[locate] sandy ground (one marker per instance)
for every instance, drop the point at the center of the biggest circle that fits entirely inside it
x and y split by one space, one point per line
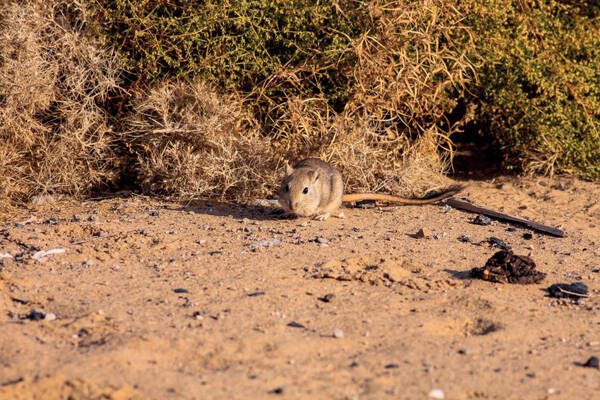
207 300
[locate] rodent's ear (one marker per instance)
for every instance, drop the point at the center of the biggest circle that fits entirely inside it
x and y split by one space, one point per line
313 176
288 169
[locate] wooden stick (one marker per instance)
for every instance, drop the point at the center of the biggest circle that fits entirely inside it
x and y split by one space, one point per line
465 205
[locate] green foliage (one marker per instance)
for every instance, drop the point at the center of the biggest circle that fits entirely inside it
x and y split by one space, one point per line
539 86
265 49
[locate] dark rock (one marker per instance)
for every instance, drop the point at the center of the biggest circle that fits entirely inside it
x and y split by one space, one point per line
391 366
328 298
592 362
279 390
256 294
499 243
36 315
527 236
574 290
464 238
153 213
482 220
181 290
294 324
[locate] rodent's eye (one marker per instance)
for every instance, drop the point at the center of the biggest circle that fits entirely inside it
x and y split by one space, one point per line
305 190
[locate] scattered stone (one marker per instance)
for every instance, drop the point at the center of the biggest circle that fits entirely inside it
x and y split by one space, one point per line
279 390
482 220
328 298
574 290
264 243
543 183
92 217
256 294
463 351
41 255
511 229
38 315
354 364
436 394
391 366
5 255
181 290
101 234
51 221
464 239
76 218
592 362
50 317
18 225
294 324
321 240
338 333
215 252
423 233
506 267
153 213
495 242
527 236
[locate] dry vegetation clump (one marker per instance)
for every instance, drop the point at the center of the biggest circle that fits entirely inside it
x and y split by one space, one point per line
393 133
190 141
54 134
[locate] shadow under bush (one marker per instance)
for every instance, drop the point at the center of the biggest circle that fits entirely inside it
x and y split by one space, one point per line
539 85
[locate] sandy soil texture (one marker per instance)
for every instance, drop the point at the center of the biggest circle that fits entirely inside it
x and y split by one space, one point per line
151 299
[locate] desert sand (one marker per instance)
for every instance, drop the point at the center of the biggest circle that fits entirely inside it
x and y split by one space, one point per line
157 299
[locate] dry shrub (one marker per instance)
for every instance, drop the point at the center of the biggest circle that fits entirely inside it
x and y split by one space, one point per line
190 141
394 133
54 133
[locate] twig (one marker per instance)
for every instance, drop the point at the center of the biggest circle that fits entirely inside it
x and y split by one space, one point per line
466 206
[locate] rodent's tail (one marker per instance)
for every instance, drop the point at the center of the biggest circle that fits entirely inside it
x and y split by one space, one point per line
445 193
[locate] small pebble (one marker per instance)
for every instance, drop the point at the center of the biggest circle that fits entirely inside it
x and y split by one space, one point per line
463 351
338 333
321 240
527 236
181 290
436 394
92 217
464 239
328 298
279 390
256 294
592 362
482 220
391 366
423 233
153 213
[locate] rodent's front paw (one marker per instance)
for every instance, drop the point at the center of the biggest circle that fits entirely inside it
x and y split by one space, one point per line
322 217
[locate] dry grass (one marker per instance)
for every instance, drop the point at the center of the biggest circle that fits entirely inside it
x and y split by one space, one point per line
53 81
393 134
189 141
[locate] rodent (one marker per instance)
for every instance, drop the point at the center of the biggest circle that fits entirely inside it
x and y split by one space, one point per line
313 188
